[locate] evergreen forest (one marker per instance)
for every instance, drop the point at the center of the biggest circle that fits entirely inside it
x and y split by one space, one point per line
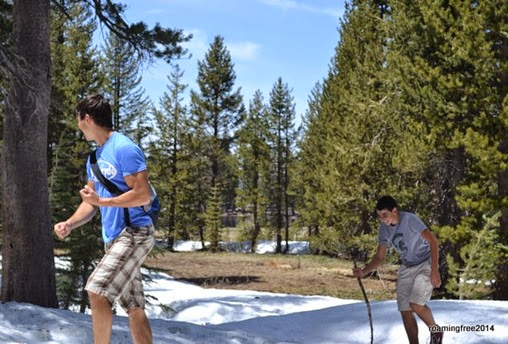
414 105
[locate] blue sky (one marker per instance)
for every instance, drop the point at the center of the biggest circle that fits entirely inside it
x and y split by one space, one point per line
267 39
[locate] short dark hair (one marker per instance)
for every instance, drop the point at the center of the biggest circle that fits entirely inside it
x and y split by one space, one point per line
97 107
386 202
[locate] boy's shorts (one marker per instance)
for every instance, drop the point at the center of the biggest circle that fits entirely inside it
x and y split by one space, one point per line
413 285
118 275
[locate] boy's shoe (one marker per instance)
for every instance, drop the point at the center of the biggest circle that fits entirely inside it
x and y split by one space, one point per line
436 338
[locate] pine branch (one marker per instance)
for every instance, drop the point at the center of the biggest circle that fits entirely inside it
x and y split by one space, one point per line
156 42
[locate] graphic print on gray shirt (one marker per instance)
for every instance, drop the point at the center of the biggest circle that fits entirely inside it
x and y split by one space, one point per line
406 238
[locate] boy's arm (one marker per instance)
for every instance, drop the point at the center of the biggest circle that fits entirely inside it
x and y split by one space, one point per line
374 264
435 278
84 213
138 195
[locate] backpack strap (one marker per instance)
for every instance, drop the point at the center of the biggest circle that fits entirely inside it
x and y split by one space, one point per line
108 184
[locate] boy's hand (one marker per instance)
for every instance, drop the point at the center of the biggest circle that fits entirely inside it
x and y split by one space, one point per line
63 229
89 195
358 273
435 278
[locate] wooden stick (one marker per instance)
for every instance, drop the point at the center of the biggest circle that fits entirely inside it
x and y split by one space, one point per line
368 306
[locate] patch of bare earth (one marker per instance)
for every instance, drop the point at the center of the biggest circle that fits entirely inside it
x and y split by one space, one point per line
305 275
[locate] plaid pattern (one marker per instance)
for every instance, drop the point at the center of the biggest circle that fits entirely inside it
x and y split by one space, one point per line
118 275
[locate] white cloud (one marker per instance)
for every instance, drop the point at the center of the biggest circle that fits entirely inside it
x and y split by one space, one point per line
294 5
243 50
198 45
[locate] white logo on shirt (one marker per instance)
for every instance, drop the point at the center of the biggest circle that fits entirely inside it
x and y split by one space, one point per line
109 171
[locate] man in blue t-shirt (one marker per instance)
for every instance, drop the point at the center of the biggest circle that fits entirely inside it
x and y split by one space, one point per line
419 273
117 277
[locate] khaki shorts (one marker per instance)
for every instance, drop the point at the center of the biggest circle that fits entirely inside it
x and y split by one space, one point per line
118 275
413 285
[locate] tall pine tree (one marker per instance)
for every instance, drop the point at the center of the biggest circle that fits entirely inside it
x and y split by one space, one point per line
350 135
218 108
282 138
254 161
170 157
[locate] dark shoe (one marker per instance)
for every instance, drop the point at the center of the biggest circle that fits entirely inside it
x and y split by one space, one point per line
436 338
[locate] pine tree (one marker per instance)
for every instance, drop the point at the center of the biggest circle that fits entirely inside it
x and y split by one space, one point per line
477 271
28 269
170 155
494 13
309 160
350 135
444 68
219 110
254 159
282 139
213 218
129 104
197 193
5 41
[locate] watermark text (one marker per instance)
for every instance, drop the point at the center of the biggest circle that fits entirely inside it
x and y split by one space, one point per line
462 328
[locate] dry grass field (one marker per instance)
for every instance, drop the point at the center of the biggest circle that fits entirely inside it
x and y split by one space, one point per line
305 275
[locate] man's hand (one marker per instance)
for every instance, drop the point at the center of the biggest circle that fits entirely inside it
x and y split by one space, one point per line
63 229
358 273
89 195
435 278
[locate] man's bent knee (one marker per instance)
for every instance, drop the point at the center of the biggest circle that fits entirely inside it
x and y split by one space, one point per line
416 307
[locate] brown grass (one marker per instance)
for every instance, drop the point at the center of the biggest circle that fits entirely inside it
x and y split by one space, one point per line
305 275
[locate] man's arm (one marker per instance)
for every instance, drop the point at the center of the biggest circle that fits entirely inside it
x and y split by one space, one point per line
374 264
138 195
84 213
435 278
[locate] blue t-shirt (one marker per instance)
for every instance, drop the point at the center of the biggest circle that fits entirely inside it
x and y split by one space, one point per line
117 158
406 238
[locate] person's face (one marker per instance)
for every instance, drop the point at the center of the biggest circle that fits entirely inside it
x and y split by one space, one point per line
85 126
389 218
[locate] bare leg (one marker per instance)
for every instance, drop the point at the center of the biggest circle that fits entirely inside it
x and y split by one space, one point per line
140 327
423 313
410 325
102 318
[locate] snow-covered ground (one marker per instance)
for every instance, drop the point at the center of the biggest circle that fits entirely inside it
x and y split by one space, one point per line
262 246
183 313
215 316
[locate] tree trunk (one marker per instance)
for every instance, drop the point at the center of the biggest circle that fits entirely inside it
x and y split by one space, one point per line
286 209
447 175
501 292
279 190
28 268
257 226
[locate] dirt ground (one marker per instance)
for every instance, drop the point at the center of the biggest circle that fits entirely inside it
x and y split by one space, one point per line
305 275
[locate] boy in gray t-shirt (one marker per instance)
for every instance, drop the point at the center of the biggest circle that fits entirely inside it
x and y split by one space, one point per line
419 272
406 238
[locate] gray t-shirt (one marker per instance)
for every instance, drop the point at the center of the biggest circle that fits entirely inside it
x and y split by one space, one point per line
406 238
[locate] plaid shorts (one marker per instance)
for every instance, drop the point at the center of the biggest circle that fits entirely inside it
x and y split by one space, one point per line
118 274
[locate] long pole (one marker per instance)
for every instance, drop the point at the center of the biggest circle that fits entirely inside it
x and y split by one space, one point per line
368 305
